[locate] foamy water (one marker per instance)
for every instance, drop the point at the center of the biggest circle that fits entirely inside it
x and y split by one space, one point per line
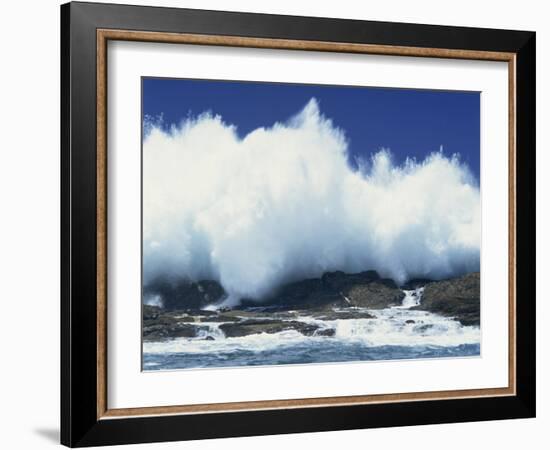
396 332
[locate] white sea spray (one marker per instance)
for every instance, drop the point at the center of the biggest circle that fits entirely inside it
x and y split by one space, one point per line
284 204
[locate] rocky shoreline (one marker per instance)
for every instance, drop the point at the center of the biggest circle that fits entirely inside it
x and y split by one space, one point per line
335 295
457 298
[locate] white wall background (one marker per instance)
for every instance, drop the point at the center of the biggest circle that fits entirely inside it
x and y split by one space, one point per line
29 224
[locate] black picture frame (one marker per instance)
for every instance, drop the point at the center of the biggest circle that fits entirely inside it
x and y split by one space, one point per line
80 425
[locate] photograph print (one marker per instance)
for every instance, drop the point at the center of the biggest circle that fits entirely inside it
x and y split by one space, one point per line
307 224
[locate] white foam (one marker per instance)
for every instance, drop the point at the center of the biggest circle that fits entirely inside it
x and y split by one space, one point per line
412 297
390 327
153 300
283 204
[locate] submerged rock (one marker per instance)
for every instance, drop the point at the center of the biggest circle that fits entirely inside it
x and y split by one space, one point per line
457 298
423 328
328 332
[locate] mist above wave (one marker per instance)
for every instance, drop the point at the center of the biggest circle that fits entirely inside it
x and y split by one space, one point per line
283 204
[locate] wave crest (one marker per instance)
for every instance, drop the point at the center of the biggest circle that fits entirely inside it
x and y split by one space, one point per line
283 204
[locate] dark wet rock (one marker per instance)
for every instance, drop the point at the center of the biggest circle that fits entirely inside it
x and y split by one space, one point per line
197 312
333 289
336 290
306 294
328 332
340 281
183 294
256 326
364 289
164 331
187 318
416 283
334 296
183 330
348 313
218 318
161 325
375 295
243 313
469 319
209 338
163 319
150 312
457 298
423 328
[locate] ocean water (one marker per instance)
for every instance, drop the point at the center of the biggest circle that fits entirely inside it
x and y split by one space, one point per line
396 333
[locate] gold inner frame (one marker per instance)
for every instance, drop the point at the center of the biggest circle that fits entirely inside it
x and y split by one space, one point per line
104 35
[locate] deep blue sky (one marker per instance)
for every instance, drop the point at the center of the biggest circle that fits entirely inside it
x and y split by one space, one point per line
410 122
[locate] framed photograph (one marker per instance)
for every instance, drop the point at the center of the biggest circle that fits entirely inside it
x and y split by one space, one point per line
276 224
